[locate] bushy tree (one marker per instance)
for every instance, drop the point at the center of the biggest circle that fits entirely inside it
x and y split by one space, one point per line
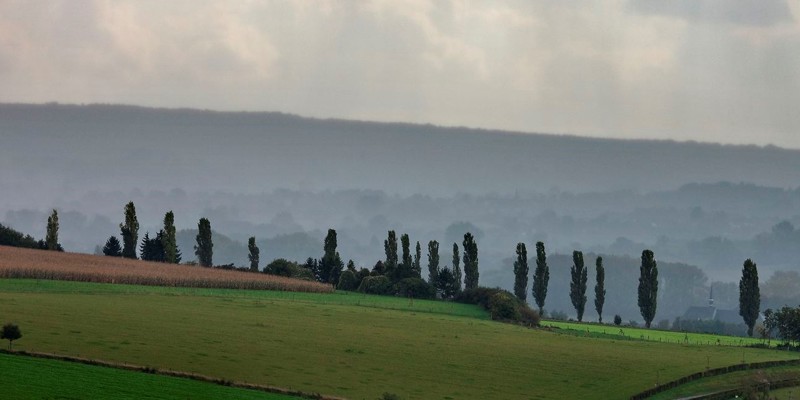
169 241
456 268
312 265
648 287
347 281
51 240
376 285
599 289
11 333
470 262
112 247
433 261
253 253
330 266
204 249
130 231
749 295
521 273
577 286
541 277
446 283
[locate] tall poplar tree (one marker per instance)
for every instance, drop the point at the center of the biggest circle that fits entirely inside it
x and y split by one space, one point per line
749 295
130 231
433 261
169 240
253 253
470 262
405 268
417 263
541 277
577 286
599 289
648 287
204 249
456 267
331 264
521 273
51 240
390 248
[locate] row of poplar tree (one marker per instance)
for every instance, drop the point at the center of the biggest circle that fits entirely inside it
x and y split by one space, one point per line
444 281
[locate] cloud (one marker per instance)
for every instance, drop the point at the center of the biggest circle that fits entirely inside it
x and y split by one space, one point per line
704 70
739 12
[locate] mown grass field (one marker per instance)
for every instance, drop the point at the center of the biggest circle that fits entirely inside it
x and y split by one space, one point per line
347 345
35 378
655 335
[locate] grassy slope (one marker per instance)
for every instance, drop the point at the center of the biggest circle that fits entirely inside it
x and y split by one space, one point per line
36 378
729 381
652 334
314 343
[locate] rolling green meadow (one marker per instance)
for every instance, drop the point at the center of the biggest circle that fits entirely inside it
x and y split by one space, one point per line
347 345
36 378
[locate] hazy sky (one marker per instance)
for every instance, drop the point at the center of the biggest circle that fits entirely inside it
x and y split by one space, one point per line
709 70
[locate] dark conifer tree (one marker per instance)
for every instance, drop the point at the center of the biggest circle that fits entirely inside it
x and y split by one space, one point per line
112 247
541 277
749 295
599 289
648 287
577 286
521 273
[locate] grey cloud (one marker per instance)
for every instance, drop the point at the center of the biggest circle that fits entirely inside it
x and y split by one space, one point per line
740 12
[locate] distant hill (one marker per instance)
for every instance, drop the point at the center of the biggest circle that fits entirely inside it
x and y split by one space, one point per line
112 147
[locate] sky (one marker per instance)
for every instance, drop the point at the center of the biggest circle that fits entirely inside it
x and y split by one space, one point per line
723 71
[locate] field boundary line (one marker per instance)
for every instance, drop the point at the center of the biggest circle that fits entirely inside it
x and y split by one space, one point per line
710 373
171 373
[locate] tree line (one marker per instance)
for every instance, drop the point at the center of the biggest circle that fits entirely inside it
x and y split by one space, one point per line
399 274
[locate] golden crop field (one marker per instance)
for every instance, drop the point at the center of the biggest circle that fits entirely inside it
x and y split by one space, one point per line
40 264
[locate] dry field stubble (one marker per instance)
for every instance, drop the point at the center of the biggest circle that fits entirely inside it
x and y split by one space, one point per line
40 264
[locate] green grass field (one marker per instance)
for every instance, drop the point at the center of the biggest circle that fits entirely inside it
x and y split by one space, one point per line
347 345
35 378
627 332
730 381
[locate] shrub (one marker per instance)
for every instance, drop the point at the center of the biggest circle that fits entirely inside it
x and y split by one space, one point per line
414 287
280 267
504 306
347 281
617 320
376 285
529 316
